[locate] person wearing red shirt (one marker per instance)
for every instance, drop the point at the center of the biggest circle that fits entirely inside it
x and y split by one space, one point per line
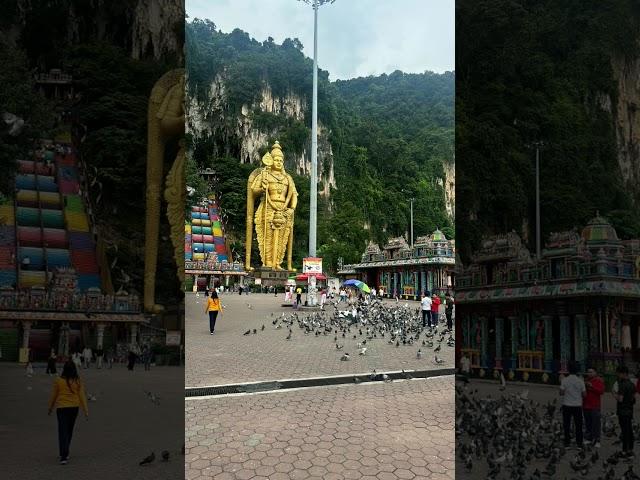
435 309
591 406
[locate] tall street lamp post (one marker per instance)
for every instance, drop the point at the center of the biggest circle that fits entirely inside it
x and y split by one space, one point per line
313 204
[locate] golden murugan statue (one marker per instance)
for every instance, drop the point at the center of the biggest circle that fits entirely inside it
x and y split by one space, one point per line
165 123
274 216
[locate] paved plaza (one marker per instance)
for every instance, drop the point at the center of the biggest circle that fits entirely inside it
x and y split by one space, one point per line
541 395
397 430
124 426
371 431
228 356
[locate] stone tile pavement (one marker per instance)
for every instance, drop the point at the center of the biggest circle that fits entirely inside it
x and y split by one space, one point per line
371 431
123 427
229 357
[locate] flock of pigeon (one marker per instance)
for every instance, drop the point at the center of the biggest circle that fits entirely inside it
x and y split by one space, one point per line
374 321
511 437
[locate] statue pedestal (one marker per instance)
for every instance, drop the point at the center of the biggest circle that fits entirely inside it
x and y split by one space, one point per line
269 277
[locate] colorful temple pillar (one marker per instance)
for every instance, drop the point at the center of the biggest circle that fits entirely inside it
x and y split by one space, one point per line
565 342
514 340
499 340
548 342
581 341
484 348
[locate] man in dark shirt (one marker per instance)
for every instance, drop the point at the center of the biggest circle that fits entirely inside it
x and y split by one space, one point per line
626 399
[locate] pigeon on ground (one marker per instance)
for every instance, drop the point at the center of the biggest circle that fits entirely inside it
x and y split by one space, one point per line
165 455
147 460
345 357
247 332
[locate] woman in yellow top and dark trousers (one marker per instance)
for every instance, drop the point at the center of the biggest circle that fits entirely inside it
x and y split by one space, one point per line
67 396
213 307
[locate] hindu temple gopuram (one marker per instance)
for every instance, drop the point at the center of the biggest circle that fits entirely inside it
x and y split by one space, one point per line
408 272
580 302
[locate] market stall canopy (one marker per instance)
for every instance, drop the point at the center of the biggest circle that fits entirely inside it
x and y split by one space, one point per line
305 276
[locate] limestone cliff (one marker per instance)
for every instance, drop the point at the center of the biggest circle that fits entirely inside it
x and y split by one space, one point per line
450 188
208 115
145 28
627 122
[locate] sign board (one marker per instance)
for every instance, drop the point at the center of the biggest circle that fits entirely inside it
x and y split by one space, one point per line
258 281
312 265
173 337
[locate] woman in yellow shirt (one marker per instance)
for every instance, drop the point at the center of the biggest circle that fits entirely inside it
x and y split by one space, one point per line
213 307
67 396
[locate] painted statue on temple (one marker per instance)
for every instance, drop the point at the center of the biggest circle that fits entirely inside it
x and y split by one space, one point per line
273 219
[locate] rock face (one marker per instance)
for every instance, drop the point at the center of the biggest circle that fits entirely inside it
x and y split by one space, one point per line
627 122
238 136
145 28
450 188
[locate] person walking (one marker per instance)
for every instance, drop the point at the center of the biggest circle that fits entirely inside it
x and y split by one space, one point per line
323 298
591 407
51 363
110 355
213 308
67 396
573 390
132 358
87 354
76 358
435 309
426 310
99 356
626 400
146 357
298 296
448 311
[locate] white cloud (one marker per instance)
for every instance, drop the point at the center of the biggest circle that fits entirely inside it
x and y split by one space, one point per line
356 37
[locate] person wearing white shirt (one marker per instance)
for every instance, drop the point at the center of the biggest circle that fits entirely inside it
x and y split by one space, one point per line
573 390
426 309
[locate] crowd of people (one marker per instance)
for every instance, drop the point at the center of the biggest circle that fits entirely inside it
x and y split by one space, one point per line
582 407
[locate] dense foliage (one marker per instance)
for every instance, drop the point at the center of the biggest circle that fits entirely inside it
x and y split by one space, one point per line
19 97
114 96
537 71
390 136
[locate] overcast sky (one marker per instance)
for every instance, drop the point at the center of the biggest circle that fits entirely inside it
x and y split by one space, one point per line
355 37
